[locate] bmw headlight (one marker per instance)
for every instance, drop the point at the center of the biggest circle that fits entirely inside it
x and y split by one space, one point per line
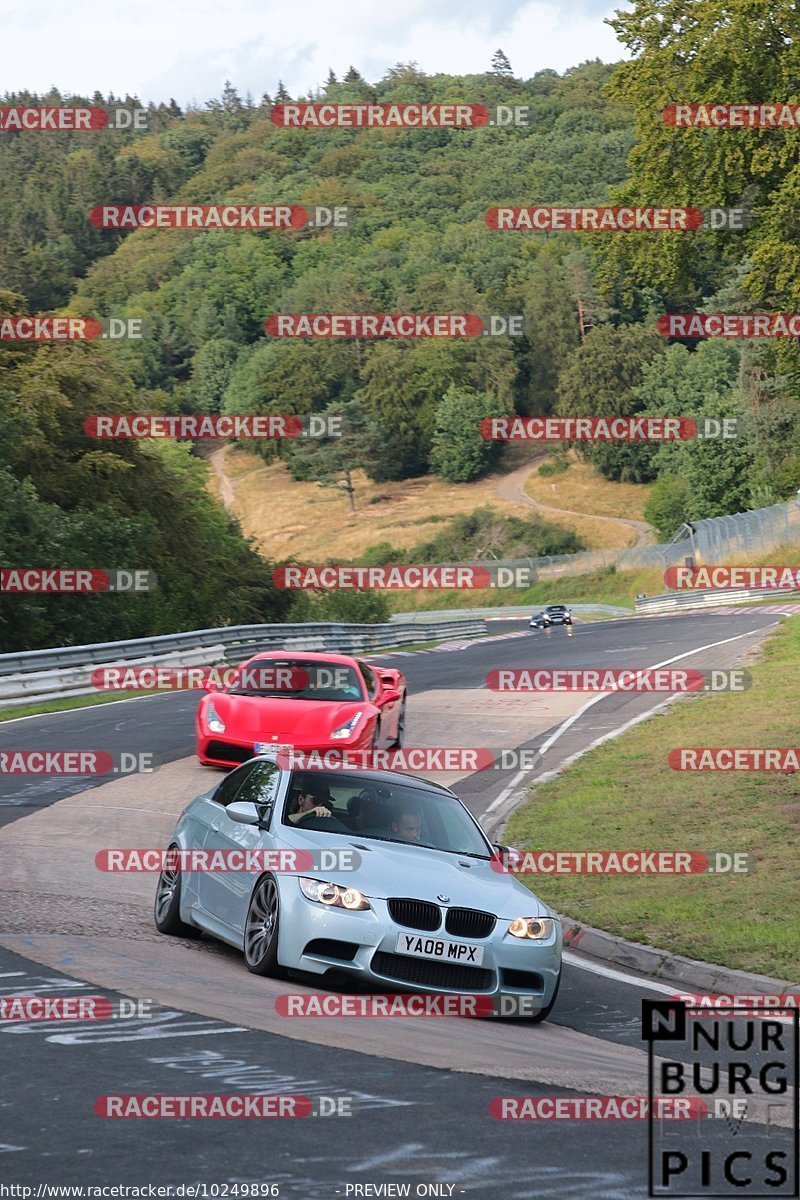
537 929
348 729
214 720
333 895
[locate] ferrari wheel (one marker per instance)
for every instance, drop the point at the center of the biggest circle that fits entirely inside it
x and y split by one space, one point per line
401 726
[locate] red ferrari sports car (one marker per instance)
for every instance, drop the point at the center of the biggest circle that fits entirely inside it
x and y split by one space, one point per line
304 701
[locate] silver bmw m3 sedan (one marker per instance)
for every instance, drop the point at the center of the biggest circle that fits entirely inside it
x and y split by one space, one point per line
381 875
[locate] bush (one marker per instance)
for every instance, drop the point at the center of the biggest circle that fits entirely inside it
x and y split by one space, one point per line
351 608
481 534
667 505
458 452
557 465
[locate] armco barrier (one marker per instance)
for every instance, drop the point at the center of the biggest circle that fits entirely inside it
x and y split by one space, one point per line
37 675
511 612
717 598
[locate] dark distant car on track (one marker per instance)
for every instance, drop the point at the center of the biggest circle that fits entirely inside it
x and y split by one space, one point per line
553 614
306 702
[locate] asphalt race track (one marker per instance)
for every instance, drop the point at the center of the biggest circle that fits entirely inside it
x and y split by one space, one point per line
420 1089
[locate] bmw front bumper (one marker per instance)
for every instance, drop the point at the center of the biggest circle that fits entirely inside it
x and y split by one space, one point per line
316 939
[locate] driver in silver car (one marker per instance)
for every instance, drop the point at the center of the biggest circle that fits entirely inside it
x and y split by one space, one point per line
312 799
407 825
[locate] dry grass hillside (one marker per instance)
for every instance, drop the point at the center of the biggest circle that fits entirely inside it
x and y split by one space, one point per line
310 522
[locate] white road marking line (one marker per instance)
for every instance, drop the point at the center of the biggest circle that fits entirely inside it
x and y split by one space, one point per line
81 708
640 981
618 976
570 721
625 649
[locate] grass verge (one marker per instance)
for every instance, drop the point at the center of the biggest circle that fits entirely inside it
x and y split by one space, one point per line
623 795
603 586
69 702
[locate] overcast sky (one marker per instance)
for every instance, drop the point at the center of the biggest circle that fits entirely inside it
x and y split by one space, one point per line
186 49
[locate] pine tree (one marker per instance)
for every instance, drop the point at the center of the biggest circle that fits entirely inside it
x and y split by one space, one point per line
501 66
231 100
281 95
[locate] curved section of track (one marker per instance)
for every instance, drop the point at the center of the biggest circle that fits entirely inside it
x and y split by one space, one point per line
59 910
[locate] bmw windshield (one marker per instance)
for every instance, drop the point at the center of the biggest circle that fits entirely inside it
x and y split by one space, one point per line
386 812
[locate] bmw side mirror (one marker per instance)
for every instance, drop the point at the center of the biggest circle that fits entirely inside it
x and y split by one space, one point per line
243 812
510 855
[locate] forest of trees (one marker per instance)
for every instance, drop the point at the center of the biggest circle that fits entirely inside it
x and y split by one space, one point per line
417 241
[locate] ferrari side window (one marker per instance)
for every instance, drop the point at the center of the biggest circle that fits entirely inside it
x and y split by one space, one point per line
370 680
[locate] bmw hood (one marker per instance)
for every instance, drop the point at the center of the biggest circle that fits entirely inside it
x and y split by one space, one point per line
416 872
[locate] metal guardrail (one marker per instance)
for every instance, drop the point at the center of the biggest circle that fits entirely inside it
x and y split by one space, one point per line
37 675
676 601
510 611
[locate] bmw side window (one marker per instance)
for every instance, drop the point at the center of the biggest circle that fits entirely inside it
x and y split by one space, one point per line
228 789
260 787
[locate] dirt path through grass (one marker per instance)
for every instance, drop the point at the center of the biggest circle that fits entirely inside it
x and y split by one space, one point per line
512 487
223 480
